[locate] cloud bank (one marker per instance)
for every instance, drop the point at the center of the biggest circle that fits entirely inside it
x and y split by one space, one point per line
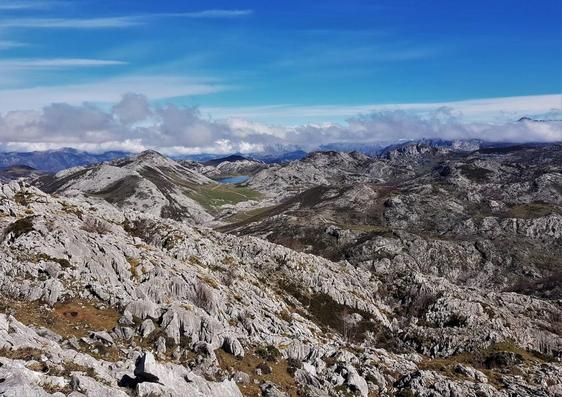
134 124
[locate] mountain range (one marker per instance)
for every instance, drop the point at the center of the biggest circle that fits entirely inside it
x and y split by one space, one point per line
57 160
429 269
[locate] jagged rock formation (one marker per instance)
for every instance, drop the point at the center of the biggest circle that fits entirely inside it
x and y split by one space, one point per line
425 272
320 168
149 183
227 167
489 218
89 291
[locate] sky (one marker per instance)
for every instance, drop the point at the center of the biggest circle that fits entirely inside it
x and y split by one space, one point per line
221 76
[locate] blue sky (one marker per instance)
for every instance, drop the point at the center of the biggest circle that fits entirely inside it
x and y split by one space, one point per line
284 62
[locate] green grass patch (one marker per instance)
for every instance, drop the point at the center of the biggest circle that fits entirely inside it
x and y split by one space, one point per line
213 196
476 174
245 215
533 210
376 229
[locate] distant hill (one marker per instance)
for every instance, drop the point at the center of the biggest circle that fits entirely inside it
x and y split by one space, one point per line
280 157
231 159
18 171
56 160
150 183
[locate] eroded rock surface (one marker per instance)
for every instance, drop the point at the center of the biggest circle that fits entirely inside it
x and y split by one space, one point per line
103 300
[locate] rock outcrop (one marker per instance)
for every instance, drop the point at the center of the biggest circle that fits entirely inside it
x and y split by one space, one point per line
413 291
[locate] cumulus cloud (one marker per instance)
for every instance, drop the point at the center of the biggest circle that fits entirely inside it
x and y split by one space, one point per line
133 124
133 108
445 124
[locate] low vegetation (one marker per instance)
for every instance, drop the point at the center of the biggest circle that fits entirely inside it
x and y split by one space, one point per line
213 196
351 323
476 174
74 318
271 366
494 361
20 227
533 210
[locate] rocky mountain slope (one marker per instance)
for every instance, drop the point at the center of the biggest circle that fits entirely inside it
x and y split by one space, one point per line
19 171
424 272
490 218
97 301
149 183
227 167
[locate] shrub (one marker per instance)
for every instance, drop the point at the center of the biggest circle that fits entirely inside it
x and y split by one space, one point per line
269 353
204 296
93 225
19 227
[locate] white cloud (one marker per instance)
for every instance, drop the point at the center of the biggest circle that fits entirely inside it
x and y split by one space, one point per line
108 91
210 14
72 23
134 125
490 109
8 44
132 146
8 5
38 63
394 125
133 108
115 22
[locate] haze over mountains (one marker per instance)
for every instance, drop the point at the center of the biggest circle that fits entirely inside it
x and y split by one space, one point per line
56 160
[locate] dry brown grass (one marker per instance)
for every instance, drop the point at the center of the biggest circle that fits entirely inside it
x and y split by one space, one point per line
477 359
52 389
205 296
26 354
533 210
72 209
85 316
134 263
64 370
279 375
95 226
210 281
74 318
20 227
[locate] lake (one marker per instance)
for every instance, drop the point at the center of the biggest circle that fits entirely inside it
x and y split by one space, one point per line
234 179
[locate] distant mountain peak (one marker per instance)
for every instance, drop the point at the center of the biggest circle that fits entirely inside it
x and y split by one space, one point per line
233 158
57 159
152 157
149 154
20 167
331 154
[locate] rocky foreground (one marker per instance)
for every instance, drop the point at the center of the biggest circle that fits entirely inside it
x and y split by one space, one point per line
99 299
